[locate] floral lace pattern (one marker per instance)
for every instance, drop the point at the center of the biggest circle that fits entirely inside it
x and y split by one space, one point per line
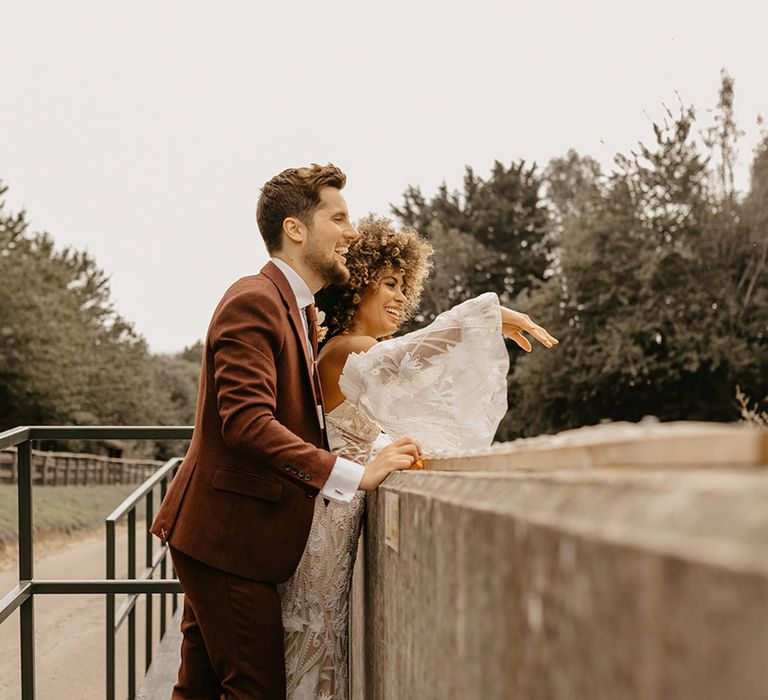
444 385
315 600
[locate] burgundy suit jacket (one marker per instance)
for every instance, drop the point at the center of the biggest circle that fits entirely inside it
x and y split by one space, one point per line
243 498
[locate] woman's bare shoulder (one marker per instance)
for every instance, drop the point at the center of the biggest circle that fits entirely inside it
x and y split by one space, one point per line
331 361
341 346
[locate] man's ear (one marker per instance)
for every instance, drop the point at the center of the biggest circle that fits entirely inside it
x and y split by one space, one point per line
294 229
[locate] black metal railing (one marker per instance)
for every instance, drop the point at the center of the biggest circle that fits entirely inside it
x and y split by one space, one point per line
22 596
127 611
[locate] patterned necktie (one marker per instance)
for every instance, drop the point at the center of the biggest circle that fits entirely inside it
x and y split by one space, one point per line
312 328
312 333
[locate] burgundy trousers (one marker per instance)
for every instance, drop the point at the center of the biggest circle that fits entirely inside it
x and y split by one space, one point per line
232 647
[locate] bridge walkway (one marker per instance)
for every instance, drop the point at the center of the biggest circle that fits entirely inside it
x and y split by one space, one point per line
159 680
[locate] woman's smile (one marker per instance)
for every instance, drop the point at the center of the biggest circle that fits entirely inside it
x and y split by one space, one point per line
381 310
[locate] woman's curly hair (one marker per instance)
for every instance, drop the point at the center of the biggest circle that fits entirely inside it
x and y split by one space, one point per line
379 247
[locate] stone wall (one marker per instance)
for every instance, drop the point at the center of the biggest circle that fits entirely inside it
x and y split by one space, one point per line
510 574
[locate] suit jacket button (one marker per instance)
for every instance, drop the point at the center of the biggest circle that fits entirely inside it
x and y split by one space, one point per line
307 477
287 467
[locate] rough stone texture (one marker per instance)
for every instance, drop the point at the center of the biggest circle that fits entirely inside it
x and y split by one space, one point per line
597 584
650 444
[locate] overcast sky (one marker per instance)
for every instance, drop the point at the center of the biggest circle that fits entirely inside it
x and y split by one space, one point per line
142 131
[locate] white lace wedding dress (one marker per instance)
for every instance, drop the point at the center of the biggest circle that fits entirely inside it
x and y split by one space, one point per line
445 386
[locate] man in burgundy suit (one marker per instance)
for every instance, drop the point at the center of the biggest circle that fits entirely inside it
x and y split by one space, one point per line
238 512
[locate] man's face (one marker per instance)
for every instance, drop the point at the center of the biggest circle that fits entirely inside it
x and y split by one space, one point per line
328 238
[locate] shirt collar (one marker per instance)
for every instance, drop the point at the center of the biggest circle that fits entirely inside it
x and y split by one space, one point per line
299 287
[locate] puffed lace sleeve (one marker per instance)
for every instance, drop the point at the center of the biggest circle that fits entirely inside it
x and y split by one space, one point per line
443 385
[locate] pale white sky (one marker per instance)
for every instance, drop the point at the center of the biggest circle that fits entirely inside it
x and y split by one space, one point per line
142 131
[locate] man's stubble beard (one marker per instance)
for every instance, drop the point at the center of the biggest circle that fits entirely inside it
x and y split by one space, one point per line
330 271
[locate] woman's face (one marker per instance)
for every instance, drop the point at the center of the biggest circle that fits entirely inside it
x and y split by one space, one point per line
380 312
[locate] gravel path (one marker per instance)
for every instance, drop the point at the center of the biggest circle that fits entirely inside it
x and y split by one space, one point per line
70 630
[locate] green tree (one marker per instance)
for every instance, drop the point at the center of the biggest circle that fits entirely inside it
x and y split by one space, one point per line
751 278
193 353
65 355
174 386
502 218
651 302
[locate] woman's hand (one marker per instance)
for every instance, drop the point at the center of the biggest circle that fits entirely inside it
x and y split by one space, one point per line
513 323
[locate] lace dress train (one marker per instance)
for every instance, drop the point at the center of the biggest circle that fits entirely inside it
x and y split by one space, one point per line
315 600
443 385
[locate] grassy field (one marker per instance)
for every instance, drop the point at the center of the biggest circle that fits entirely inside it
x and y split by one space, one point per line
64 509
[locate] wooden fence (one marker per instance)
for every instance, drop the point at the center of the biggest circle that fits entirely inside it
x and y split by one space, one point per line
70 469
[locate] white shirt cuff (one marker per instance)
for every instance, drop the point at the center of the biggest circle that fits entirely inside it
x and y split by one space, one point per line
343 481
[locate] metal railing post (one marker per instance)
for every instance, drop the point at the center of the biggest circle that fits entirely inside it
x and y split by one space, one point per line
110 641
163 571
26 571
149 513
21 597
132 613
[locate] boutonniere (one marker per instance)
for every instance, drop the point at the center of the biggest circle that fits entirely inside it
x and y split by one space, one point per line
322 330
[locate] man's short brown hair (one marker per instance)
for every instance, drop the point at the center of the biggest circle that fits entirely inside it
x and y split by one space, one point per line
294 192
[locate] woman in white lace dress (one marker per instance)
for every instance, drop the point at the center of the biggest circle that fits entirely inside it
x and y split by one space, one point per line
444 385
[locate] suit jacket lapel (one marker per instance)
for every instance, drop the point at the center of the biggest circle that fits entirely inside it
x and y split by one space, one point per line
273 272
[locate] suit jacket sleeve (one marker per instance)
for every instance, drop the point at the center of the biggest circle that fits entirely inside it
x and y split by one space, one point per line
247 336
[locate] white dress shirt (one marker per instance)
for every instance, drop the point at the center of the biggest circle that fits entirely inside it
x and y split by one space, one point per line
346 475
